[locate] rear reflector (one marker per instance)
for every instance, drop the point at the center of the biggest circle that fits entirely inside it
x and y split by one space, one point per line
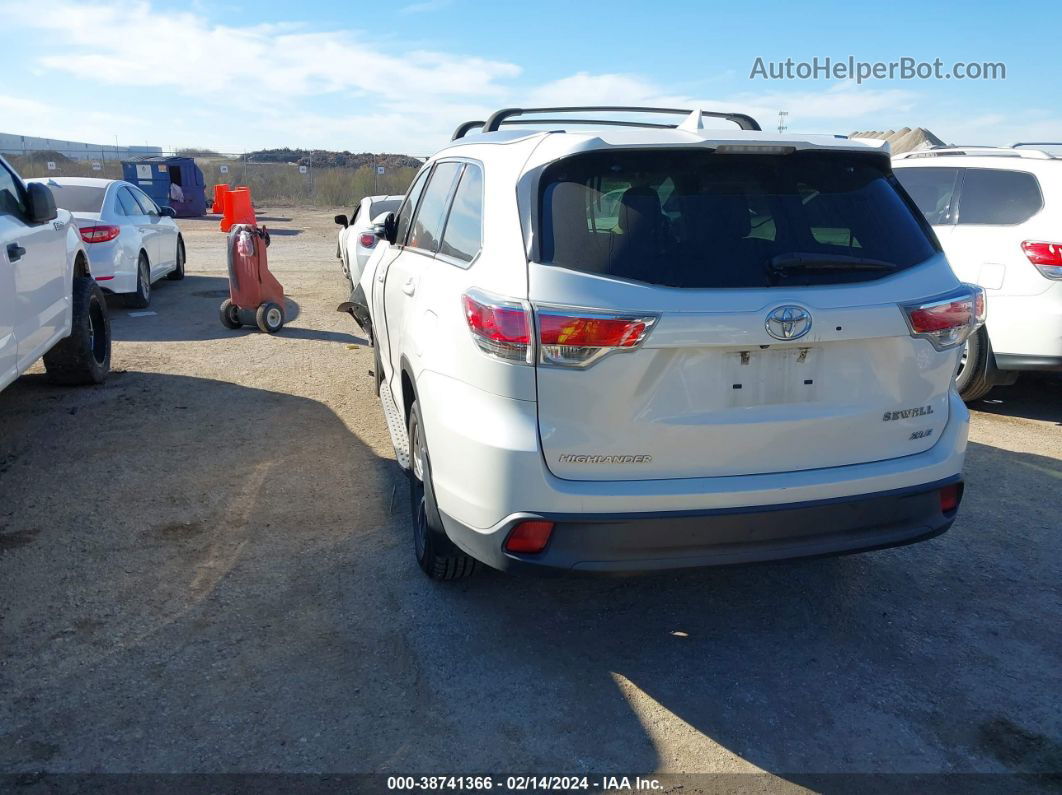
501 328
570 339
367 239
1047 257
946 322
99 234
950 496
531 536
104 278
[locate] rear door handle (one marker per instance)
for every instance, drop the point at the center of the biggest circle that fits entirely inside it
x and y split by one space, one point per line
409 287
15 252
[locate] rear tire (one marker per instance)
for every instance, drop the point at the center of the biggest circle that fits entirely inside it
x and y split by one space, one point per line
229 314
85 356
141 299
178 272
269 317
975 379
436 554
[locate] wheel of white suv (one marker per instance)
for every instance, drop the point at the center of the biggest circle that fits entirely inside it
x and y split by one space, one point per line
436 554
973 380
85 356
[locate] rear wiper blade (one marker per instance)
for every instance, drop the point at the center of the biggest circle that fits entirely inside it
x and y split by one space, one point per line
808 261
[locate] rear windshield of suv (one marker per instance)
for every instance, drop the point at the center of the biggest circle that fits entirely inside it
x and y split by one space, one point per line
383 206
693 218
78 198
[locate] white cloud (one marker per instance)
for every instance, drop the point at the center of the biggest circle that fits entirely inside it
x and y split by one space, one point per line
260 85
122 45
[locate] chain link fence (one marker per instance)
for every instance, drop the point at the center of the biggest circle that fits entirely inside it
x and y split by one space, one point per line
309 181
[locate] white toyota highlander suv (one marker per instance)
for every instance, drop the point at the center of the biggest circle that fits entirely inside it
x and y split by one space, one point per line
618 345
998 214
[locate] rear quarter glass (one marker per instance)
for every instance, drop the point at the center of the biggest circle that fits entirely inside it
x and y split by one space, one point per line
696 219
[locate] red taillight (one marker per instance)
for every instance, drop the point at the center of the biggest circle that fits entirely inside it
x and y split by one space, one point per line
99 234
576 340
590 332
947 322
367 239
500 328
1047 257
950 497
529 537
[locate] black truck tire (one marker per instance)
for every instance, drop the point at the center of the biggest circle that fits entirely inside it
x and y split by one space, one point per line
85 356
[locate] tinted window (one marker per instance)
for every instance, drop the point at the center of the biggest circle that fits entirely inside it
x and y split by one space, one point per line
697 219
464 228
146 204
385 206
127 203
405 215
431 214
998 197
10 195
78 198
932 189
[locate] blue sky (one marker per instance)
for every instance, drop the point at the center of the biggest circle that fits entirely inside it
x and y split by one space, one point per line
398 77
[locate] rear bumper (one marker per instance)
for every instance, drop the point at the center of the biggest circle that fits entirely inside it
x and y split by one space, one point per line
683 539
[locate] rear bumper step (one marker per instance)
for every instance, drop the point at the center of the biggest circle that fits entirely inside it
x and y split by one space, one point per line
646 542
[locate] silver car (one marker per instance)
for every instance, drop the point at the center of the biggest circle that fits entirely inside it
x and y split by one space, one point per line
131 241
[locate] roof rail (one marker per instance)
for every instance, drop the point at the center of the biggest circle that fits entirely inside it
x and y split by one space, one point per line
1036 143
986 151
465 128
506 116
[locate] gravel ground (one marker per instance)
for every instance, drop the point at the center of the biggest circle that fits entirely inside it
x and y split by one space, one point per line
205 565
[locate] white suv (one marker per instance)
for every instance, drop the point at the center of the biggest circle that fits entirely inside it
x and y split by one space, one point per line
50 306
639 345
998 215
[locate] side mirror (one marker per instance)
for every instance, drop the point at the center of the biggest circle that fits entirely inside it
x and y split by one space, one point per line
169 212
388 230
40 203
341 220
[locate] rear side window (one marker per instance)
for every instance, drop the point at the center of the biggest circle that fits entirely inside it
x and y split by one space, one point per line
932 189
127 203
10 196
693 218
464 228
146 204
431 214
994 196
405 215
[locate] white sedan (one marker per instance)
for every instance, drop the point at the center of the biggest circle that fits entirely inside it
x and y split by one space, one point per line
131 241
356 239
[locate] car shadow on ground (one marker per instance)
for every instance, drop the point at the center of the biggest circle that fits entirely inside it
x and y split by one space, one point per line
931 657
188 310
1036 396
199 576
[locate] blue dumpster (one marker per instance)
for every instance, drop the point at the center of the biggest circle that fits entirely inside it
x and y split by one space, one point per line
175 182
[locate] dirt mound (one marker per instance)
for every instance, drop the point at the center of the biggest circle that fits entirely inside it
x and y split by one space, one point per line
906 139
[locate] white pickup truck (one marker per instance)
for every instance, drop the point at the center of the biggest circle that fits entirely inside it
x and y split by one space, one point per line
50 305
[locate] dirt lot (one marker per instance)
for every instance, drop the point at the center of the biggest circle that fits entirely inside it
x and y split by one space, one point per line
205 566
